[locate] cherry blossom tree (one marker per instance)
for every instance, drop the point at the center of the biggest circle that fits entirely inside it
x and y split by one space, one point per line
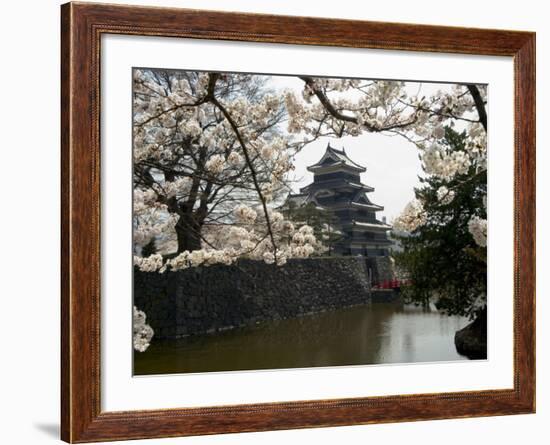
209 160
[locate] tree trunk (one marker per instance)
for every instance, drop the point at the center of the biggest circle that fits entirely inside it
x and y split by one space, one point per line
188 231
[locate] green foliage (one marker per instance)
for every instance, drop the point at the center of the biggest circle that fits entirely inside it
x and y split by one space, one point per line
441 257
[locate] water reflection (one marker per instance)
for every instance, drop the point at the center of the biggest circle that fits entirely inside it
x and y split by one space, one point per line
370 334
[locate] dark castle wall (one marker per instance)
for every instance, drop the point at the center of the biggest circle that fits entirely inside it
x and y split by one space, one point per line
321 177
215 298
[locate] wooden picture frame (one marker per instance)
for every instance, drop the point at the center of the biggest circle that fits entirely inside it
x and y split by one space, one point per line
82 26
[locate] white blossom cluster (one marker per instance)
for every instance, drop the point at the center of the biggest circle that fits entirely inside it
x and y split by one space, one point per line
444 195
151 223
215 164
476 145
143 333
235 159
254 113
412 217
152 263
245 214
445 165
225 245
299 114
449 109
178 187
478 228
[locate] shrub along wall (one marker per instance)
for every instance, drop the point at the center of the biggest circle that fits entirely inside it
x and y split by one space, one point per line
208 299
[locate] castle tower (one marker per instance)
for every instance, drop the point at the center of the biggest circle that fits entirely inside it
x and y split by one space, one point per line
337 187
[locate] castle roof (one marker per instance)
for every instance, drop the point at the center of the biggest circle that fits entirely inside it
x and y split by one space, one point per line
337 184
361 199
366 225
336 158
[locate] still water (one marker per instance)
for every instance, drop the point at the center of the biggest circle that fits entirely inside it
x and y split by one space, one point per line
369 334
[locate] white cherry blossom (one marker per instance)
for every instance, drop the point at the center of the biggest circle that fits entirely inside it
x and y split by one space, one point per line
478 228
412 217
444 195
142 332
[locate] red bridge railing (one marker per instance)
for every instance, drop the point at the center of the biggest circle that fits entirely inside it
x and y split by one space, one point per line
391 284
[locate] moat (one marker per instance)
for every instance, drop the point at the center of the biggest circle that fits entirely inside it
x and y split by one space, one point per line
361 335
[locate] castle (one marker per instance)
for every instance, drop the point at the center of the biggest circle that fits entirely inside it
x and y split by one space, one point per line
337 187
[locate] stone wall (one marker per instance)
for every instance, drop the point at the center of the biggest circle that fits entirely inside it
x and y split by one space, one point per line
381 268
208 299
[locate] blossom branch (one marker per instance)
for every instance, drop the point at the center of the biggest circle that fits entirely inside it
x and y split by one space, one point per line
252 171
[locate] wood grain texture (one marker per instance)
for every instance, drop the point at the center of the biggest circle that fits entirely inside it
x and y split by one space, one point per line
82 26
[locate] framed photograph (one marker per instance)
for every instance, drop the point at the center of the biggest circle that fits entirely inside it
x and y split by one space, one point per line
274 222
